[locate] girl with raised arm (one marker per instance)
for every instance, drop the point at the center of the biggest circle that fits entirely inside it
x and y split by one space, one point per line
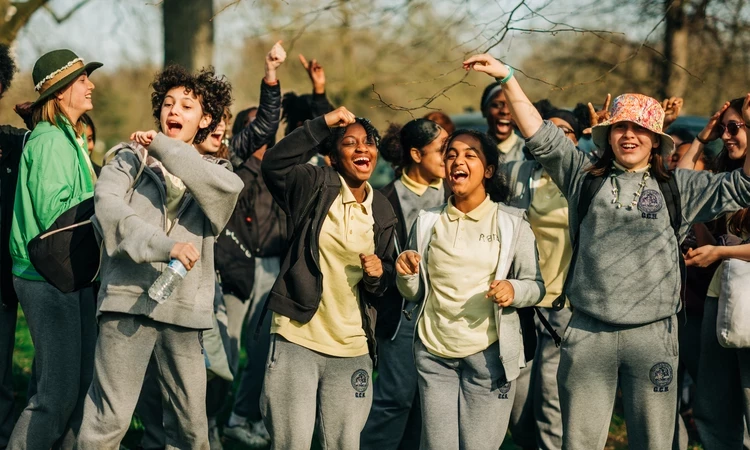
624 280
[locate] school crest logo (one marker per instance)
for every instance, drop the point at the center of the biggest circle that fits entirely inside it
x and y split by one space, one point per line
360 381
661 375
650 203
504 389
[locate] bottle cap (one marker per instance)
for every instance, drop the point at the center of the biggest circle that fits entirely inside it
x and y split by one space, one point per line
177 266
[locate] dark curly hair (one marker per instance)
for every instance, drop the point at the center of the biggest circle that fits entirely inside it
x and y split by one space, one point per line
214 93
398 141
497 186
330 144
7 68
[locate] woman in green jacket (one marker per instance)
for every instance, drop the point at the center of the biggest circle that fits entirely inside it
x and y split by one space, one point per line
55 174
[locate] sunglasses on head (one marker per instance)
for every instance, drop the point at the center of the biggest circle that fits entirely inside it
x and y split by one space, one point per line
732 127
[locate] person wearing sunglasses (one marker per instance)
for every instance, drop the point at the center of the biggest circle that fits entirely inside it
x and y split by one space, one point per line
720 424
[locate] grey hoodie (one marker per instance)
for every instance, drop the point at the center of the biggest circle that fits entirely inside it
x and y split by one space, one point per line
133 227
627 272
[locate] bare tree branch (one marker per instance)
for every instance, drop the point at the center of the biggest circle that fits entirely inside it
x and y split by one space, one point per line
66 16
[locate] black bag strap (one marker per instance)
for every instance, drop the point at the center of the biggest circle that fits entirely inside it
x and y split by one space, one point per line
591 185
547 326
671 194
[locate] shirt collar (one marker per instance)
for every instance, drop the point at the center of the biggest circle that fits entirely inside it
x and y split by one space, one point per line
475 214
507 145
348 197
619 166
419 188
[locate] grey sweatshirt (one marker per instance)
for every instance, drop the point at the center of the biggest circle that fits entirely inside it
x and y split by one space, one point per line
627 272
136 242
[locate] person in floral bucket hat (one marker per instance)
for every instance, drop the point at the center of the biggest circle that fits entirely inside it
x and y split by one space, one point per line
624 279
54 175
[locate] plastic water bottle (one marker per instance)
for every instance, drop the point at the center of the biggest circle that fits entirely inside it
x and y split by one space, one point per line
167 281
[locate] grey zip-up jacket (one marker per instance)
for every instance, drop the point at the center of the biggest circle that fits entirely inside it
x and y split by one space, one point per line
627 271
136 242
518 263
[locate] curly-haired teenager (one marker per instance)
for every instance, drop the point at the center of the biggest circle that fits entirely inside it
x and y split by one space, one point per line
470 263
54 174
11 145
180 203
416 152
625 281
339 262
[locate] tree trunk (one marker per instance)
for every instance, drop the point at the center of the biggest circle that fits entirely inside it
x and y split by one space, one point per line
676 50
14 17
189 33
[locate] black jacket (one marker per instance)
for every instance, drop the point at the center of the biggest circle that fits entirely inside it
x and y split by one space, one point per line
306 193
11 143
237 245
260 131
390 307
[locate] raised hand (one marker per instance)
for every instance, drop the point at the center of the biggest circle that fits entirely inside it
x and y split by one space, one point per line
275 57
24 112
339 117
144 138
597 117
486 64
316 73
711 131
371 265
672 107
186 253
501 292
408 263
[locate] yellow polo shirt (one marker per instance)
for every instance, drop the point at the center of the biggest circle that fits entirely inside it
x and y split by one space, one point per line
336 328
458 320
419 188
548 216
508 144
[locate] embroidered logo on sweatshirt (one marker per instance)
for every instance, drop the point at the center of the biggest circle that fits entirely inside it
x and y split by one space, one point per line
504 389
360 381
661 375
650 203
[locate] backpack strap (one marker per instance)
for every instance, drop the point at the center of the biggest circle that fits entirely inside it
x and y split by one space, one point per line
671 194
591 185
111 153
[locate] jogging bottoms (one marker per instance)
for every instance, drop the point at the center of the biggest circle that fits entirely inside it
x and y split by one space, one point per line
466 402
126 343
642 359
301 383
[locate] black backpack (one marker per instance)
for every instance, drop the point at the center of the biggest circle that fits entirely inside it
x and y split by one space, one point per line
589 188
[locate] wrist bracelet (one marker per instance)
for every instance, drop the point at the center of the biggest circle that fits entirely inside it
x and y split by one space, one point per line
701 140
507 78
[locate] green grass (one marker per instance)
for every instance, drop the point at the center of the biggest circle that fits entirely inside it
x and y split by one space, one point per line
24 354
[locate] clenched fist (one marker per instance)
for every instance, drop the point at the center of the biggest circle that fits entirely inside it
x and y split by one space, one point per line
501 292
371 265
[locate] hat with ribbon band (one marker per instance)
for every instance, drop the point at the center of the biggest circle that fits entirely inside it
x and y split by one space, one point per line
640 109
55 70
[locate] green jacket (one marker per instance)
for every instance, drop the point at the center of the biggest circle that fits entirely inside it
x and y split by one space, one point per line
53 176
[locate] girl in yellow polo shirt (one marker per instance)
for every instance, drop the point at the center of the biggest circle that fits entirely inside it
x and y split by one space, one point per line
471 263
340 261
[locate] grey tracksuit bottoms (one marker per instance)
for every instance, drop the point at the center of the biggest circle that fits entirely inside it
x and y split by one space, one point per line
63 330
536 419
395 419
466 402
301 383
7 342
123 350
643 359
722 395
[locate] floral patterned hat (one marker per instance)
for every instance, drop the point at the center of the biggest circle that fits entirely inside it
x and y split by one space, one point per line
641 110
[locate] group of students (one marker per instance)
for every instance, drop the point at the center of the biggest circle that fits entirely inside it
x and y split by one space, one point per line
432 279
